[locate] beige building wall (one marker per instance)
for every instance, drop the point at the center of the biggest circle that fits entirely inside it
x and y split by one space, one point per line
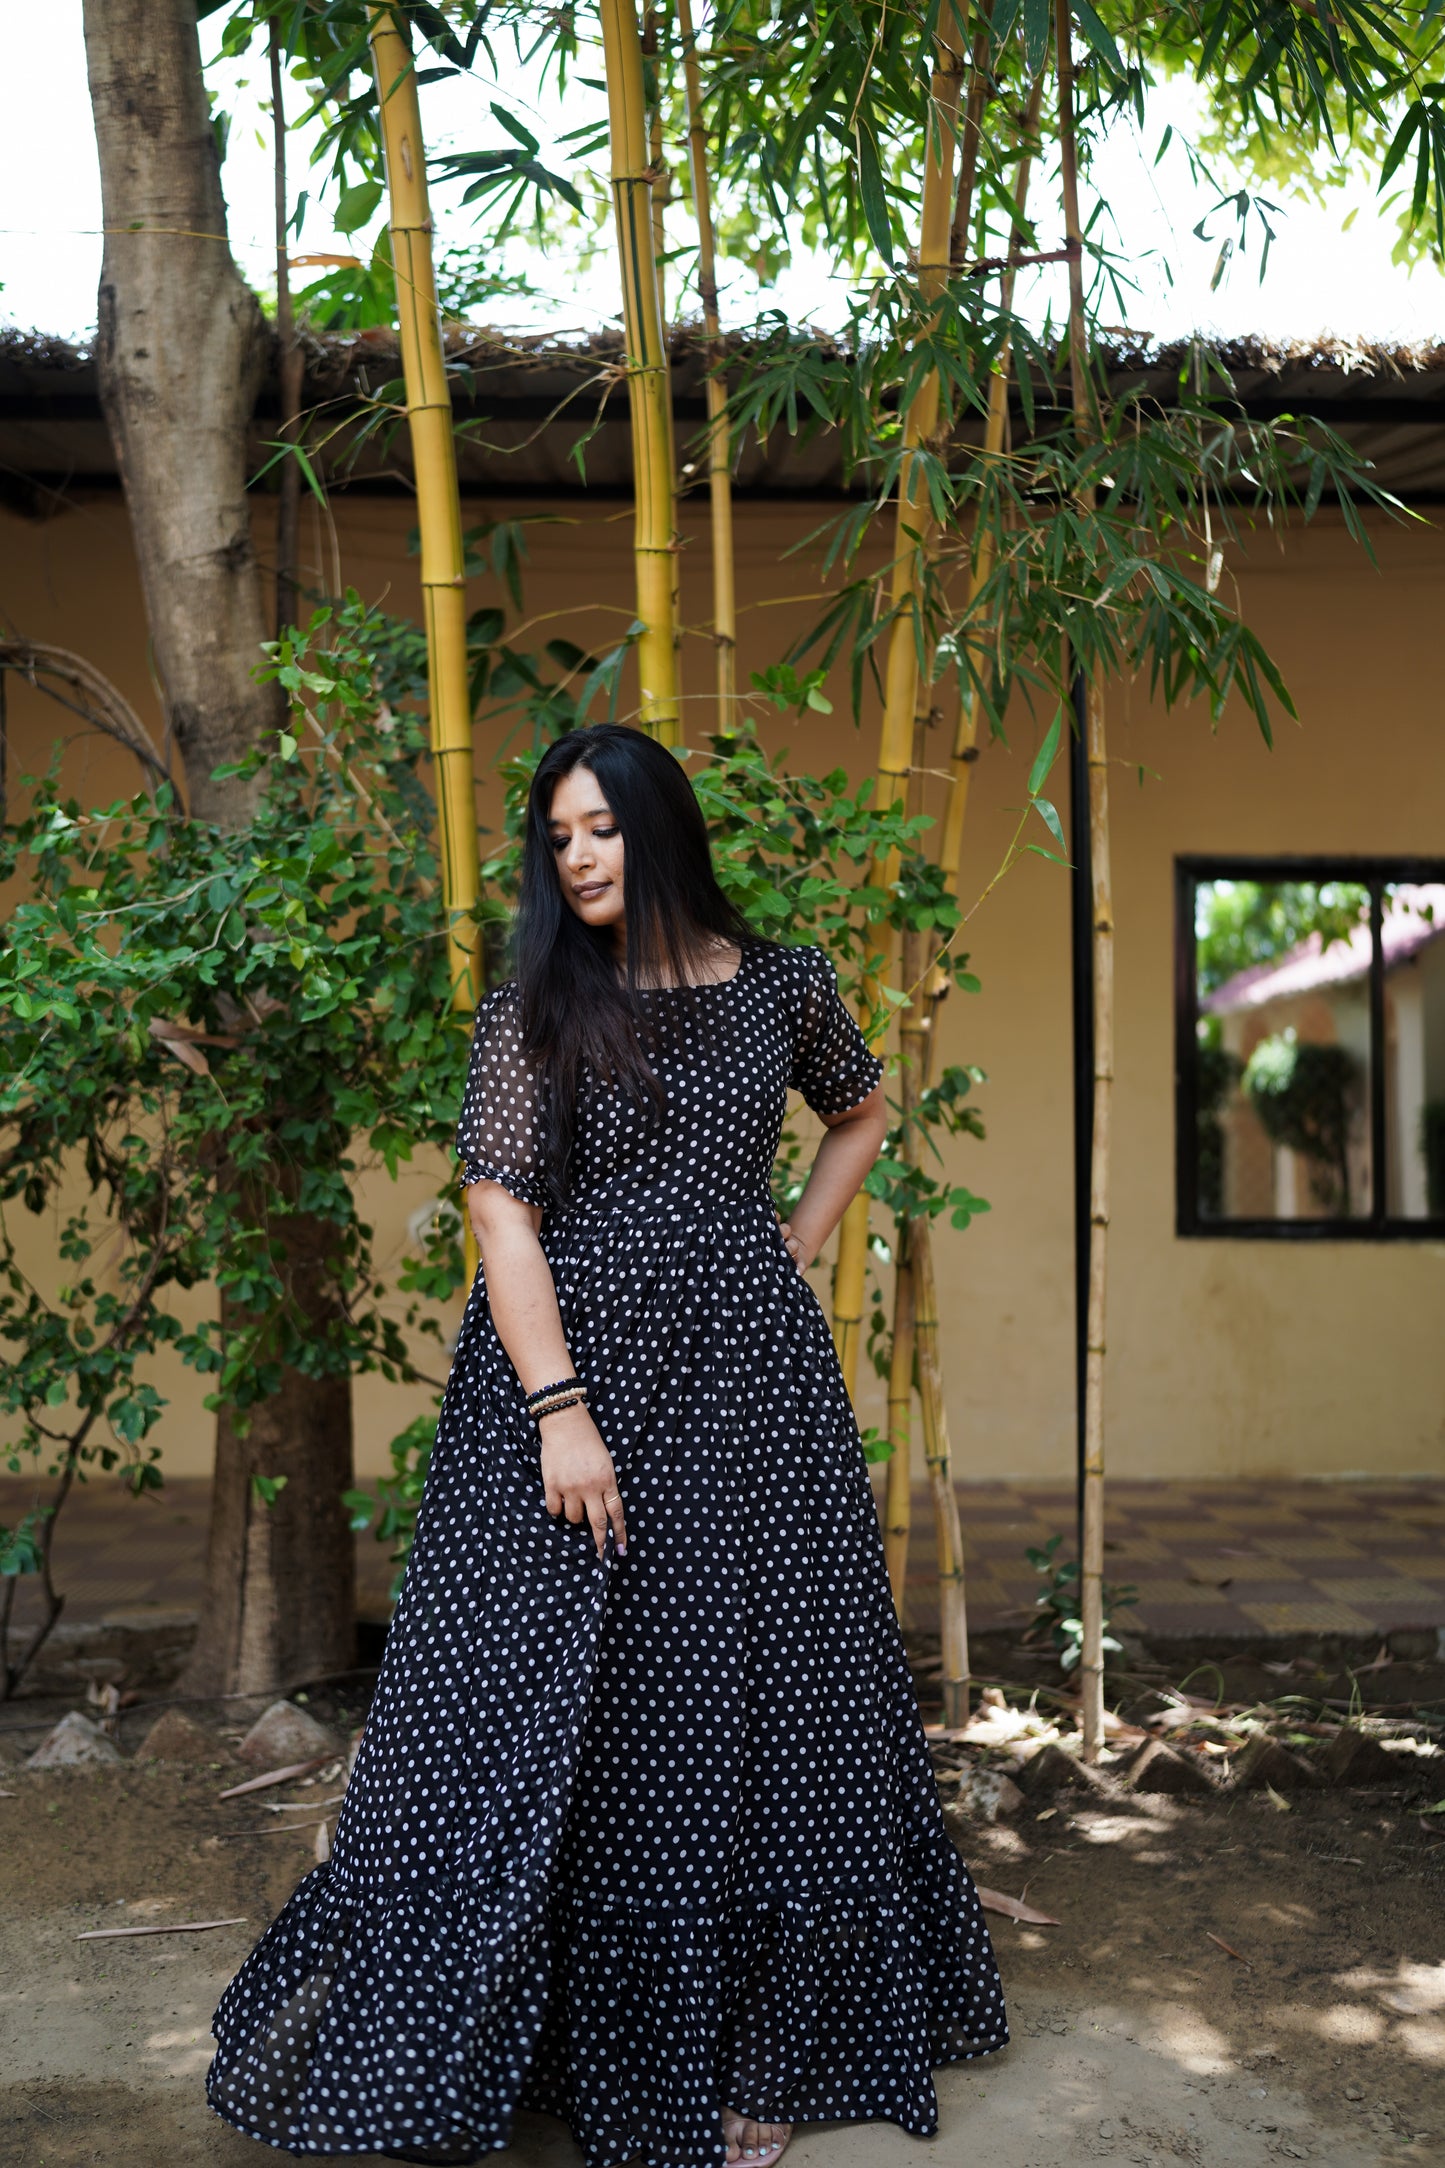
1226 1357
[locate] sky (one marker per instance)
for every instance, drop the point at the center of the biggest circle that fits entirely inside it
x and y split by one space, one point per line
1329 272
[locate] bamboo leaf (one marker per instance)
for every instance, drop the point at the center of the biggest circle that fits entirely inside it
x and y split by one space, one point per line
872 193
1414 119
1036 34
1044 758
1099 39
357 205
514 128
1048 814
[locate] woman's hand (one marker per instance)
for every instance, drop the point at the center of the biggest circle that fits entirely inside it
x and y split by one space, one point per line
794 1245
578 1475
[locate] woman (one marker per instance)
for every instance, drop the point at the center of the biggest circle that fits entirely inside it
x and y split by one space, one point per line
642 1831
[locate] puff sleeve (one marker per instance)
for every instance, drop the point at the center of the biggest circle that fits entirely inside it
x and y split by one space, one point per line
499 1136
832 1066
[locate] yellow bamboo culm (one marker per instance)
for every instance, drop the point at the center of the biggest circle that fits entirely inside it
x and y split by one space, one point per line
912 542
719 465
438 502
648 376
1091 1660
953 1611
898 1493
964 752
898 1489
438 506
661 197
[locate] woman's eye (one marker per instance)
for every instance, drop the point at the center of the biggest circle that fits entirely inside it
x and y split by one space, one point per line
603 833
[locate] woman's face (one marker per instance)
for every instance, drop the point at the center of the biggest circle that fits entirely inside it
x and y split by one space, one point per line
587 848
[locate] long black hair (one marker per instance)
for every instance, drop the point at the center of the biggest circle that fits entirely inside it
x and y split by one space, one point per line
578 1012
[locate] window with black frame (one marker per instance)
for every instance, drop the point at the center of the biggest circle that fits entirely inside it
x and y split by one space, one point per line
1310 1047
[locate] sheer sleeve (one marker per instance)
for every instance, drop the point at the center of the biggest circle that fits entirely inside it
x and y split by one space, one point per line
499 1137
832 1066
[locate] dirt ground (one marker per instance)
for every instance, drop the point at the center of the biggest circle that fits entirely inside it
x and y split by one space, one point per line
1137 2037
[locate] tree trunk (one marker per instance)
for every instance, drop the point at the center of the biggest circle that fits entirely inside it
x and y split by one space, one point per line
290 359
181 349
282 1607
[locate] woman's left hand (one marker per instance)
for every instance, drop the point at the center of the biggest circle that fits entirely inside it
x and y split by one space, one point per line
794 1246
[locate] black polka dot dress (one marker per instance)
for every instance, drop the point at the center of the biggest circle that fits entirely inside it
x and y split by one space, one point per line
635 1839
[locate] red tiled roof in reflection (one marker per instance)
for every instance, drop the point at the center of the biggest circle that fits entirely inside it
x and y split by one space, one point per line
1414 916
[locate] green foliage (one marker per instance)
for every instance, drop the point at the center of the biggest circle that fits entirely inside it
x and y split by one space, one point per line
216 1031
1059 1602
391 1509
1218 1072
1305 1096
1242 923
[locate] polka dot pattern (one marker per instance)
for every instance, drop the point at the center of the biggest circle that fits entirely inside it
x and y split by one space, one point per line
630 1840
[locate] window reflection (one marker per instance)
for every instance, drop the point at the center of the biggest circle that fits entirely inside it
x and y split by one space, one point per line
1413 941
1283 1076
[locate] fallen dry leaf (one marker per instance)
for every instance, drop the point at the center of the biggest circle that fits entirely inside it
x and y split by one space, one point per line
282 1829
323 1841
164 1027
190 1056
1228 1949
277 1776
1014 1908
175 1927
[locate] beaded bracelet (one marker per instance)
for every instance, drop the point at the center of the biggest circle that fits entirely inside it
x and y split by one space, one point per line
549 1398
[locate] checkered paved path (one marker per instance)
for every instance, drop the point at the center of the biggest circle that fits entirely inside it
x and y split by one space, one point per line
1226 1559
145 1555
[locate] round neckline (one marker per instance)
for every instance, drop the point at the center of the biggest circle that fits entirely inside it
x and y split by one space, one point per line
704 986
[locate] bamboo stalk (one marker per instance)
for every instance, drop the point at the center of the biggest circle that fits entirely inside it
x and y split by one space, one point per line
913 525
970 135
438 501
898 1491
719 465
439 512
1091 1565
291 362
648 376
661 197
964 751
912 540
898 1496
913 1026
953 1612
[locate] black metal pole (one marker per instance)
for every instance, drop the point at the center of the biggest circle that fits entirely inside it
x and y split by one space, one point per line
1081 947
1379 1166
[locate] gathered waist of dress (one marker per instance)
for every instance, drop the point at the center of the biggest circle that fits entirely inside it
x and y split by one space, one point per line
616 1210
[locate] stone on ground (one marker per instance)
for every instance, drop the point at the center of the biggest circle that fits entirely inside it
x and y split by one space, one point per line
75 1743
1265 1761
176 1737
283 1733
1356 1758
1052 1770
1159 1767
984 1795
